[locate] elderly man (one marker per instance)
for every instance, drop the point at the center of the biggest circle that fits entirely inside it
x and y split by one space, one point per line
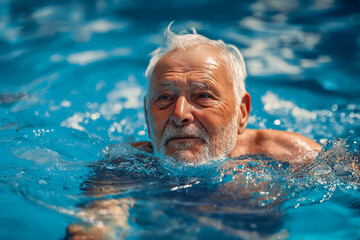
196 110
197 107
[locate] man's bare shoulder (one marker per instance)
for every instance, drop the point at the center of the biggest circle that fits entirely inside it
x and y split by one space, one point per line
143 146
281 145
287 139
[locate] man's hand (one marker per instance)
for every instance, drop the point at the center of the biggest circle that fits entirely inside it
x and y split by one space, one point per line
105 217
77 232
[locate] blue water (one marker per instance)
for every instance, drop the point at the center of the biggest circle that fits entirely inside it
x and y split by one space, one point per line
72 86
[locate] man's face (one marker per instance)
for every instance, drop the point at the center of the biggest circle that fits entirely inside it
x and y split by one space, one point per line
192 113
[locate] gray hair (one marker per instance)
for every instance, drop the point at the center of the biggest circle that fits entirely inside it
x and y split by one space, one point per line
230 54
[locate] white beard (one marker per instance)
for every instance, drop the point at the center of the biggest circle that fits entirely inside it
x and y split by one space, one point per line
218 149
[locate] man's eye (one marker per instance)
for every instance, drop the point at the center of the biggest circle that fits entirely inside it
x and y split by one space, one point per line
163 97
204 95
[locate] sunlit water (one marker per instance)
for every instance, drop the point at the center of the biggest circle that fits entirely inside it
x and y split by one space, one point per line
72 86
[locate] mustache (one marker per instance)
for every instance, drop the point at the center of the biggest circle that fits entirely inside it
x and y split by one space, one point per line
190 131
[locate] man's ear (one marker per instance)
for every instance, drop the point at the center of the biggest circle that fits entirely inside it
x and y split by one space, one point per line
244 112
146 117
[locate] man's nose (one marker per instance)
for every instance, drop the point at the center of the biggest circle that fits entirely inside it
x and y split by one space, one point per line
182 115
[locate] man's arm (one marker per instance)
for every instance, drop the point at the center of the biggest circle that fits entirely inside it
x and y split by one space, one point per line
106 217
101 219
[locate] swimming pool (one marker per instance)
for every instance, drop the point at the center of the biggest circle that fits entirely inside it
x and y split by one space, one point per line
72 83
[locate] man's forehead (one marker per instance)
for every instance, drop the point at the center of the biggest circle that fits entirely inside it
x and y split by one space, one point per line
201 66
195 55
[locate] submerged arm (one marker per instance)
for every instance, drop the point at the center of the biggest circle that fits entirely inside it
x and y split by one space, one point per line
101 219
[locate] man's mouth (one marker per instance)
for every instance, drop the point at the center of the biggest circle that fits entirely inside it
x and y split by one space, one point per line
183 139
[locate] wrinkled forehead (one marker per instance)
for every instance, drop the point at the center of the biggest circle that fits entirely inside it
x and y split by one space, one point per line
200 56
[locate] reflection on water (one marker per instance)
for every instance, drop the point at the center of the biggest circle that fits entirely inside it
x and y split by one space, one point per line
73 83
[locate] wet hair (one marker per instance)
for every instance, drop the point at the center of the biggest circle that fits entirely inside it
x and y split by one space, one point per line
229 54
